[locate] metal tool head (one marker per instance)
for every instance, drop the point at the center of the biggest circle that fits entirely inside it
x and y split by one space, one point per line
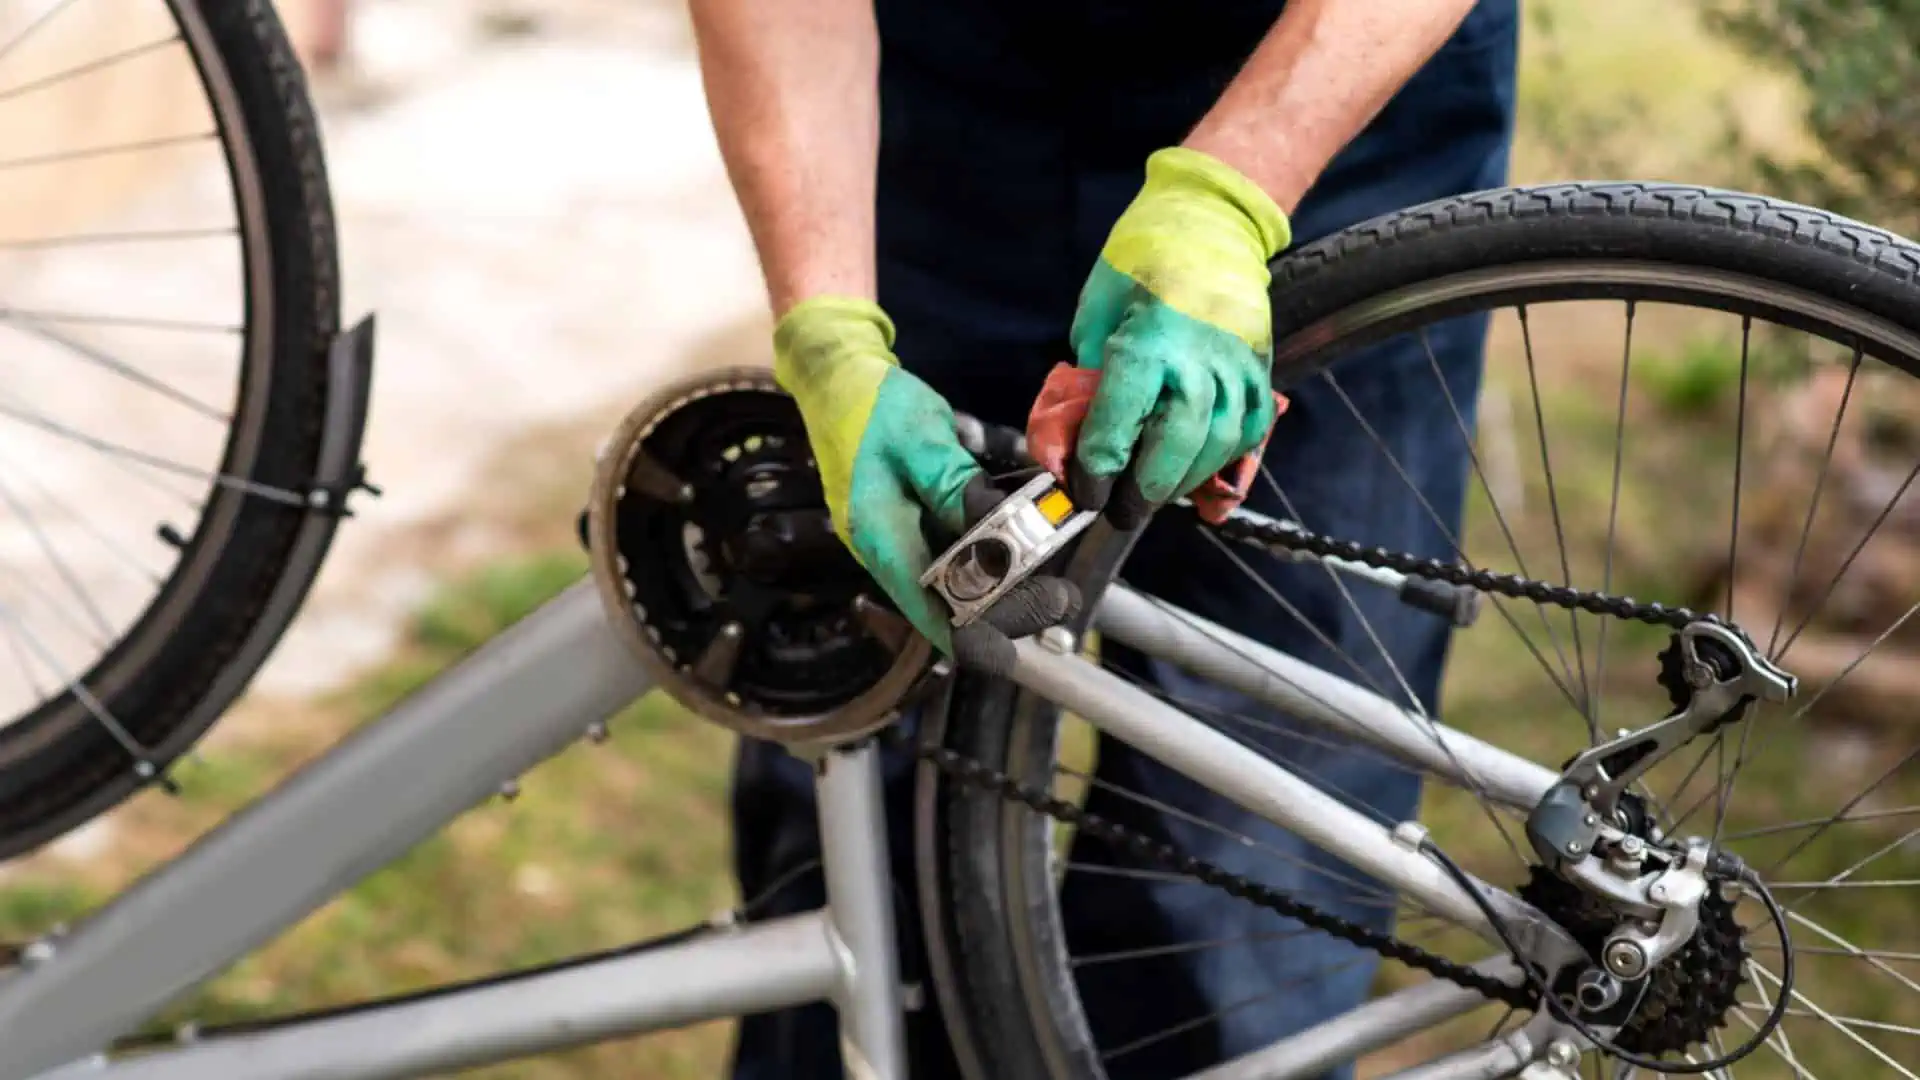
1006 547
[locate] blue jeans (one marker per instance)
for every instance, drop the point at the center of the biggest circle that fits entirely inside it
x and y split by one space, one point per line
962 330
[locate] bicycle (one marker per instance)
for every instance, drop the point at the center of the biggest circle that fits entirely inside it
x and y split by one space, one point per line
1623 948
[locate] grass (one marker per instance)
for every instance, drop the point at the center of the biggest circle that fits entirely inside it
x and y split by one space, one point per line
1638 89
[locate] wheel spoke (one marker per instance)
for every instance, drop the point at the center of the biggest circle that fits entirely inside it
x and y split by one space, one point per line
39 23
1319 635
1156 952
72 686
1425 724
1777 1039
1847 563
1810 823
1848 1021
1613 524
1858 954
1872 962
152 461
1813 502
1185 1026
62 567
80 318
1906 883
1739 457
68 74
101 359
1851 1034
79 240
1346 596
1447 533
1553 506
1373 893
137 146
1499 516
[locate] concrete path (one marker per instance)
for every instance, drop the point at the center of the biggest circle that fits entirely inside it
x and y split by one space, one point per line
545 230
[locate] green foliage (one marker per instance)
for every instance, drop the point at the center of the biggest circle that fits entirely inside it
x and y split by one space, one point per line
1859 63
1704 375
1694 381
462 619
32 907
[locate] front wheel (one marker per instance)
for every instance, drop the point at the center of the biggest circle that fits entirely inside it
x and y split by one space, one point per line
1692 396
169 293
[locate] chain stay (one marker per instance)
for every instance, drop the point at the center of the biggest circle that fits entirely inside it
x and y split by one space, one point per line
978 775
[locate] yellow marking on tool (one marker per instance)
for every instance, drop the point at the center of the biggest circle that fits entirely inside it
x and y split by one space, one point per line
1054 506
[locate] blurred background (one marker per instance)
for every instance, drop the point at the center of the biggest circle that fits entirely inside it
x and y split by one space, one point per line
530 198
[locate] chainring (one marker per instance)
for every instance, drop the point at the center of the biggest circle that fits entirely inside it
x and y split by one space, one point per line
714 554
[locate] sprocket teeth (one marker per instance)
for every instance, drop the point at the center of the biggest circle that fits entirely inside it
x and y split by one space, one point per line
1688 997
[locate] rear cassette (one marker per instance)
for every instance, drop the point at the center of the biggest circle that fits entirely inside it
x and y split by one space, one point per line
714 553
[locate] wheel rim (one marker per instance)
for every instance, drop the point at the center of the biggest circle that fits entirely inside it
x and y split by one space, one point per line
1873 1033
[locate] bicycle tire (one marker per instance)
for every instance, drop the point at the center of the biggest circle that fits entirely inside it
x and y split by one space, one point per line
228 595
984 865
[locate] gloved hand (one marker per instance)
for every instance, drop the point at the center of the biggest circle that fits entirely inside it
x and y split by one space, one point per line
1176 316
888 457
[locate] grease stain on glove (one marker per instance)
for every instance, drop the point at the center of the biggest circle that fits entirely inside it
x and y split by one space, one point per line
885 445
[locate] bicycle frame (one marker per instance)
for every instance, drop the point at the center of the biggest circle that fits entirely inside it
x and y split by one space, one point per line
535 690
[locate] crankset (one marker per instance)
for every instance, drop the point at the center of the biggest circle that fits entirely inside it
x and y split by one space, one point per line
716 559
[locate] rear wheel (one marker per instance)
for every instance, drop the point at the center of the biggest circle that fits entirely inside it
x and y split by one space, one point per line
168 295
1761 469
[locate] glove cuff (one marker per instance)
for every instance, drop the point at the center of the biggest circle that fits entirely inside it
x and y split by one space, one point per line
817 332
1180 168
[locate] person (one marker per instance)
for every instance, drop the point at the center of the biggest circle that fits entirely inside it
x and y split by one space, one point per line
322 33
950 196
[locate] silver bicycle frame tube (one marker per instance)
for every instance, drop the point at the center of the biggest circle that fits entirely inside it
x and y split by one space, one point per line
728 971
1265 674
1379 1023
1231 769
517 701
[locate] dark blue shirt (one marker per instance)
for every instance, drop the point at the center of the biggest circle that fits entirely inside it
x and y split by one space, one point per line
1013 132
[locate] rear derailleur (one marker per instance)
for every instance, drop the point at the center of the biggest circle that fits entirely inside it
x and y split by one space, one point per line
1655 912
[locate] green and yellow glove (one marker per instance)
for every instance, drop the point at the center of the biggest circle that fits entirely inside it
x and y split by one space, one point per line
1176 317
889 459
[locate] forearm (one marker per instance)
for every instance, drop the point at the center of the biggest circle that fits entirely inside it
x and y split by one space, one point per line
793 89
1323 71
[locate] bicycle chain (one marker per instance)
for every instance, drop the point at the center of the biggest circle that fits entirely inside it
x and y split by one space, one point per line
980 775
1277 538
1273 537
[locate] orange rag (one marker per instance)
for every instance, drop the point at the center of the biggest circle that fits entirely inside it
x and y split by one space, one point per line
1053 428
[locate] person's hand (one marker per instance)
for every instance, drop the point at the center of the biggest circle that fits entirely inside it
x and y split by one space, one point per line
889 459
1176 316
